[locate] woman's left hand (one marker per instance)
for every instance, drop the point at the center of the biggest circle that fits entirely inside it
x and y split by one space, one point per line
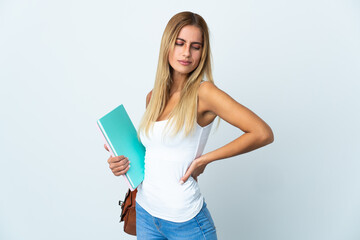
196 168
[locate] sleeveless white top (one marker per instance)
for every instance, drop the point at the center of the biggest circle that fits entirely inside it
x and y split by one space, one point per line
166 161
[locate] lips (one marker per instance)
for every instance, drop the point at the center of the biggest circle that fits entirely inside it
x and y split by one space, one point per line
185 63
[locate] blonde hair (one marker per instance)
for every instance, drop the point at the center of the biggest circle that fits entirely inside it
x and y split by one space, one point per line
184 114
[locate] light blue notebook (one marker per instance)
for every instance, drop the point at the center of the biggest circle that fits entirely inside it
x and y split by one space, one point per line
121 139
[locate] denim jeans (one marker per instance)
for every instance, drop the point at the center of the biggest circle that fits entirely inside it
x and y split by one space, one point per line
152 228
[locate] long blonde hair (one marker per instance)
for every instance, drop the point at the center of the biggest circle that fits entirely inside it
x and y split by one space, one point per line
184 114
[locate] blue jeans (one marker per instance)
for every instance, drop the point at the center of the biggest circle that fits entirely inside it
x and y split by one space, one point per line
152 228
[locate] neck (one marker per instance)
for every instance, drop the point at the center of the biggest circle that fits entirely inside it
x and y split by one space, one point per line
179 81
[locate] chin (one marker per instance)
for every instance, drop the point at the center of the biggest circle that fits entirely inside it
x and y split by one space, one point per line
186 70
182 72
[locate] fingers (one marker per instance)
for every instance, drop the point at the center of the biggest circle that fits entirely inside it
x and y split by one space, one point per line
119 165
106 148
121 170
184 179
116 159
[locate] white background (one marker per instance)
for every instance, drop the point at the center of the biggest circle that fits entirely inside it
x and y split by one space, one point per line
64 64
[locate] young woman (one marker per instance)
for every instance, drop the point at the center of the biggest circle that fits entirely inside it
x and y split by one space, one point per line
180 111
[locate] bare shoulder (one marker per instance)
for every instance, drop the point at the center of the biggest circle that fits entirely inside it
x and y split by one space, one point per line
223 105
148 97
206 87
209 93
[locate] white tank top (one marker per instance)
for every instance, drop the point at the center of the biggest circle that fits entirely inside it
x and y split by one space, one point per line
166 161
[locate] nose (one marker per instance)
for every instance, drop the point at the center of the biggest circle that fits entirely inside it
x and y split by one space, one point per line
186 51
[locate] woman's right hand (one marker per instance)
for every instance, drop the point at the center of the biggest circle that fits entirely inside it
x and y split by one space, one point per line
119 165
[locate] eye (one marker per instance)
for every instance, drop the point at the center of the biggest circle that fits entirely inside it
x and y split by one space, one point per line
196 47
179 43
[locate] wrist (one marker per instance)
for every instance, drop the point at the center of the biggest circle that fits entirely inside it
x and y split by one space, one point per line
205 159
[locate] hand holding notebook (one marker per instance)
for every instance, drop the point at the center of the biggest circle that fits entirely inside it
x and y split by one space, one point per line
119 165
120 137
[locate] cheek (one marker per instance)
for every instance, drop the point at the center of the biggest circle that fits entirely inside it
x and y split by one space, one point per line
173 55
197 58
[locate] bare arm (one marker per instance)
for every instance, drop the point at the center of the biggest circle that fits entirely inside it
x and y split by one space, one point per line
256 132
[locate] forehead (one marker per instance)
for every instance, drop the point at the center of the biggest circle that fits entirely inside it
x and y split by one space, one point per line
190 34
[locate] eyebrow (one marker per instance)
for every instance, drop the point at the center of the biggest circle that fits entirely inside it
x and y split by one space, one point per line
191 43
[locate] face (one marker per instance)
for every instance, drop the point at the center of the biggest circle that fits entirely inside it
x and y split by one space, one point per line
187 51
